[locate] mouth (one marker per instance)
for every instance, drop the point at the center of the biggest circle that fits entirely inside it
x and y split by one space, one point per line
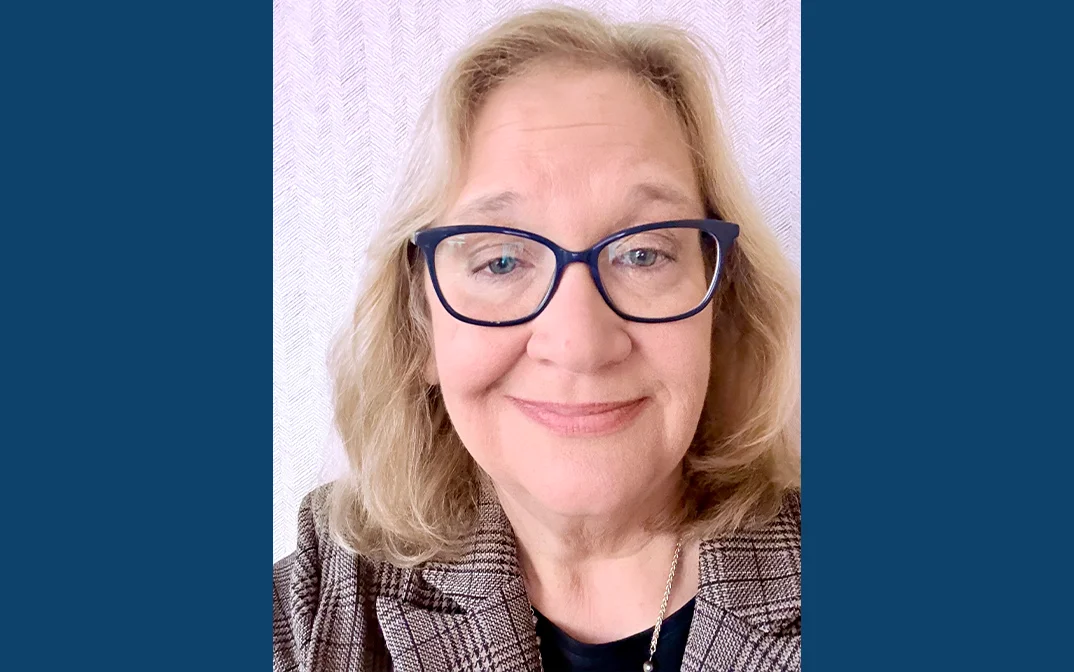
597 419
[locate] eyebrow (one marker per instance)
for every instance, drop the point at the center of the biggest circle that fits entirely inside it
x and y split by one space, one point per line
649 192
489 205
642 192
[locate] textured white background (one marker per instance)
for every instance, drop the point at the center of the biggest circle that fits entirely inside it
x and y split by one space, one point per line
350 77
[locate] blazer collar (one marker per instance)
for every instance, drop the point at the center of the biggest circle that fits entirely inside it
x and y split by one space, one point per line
756 574
735 570
490 564
471 614
749 601
749 588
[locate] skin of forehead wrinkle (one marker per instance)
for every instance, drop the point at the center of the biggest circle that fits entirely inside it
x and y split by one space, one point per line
653 186
642 193
664 109
550 179
582 124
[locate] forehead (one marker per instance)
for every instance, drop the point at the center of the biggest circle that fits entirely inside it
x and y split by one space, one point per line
578 140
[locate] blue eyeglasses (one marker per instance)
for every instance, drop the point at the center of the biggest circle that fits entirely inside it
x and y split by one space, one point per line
494 276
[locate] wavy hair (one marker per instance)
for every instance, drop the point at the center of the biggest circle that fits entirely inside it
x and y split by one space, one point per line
411 490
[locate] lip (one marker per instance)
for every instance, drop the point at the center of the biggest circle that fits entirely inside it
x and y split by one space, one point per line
594 419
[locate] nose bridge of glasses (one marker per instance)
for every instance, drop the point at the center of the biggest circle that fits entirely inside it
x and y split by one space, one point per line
565 259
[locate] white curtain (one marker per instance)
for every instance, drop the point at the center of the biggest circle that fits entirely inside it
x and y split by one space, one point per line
349 78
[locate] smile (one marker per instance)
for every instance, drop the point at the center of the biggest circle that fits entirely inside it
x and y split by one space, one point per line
582 419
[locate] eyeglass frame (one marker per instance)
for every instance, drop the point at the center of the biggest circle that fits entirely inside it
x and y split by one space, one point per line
725 234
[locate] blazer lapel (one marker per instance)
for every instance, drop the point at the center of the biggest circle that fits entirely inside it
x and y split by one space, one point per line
748 610
473 614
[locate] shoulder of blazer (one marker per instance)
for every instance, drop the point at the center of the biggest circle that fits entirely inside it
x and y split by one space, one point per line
324 595
756 574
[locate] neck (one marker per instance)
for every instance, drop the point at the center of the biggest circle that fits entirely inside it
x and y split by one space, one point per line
602 578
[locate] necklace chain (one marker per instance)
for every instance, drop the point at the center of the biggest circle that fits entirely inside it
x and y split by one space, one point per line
664 604
647 666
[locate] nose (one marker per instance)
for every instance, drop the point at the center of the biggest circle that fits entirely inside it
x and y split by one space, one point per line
577 330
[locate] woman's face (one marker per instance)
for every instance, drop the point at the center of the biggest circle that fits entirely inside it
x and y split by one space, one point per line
577 410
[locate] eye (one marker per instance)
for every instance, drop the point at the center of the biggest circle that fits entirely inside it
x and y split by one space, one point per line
502 266
641 257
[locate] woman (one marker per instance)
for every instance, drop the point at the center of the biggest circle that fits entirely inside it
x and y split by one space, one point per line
569 393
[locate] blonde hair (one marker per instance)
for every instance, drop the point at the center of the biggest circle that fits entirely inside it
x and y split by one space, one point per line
411 491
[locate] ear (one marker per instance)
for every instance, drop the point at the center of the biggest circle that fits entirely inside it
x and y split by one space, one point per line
432 376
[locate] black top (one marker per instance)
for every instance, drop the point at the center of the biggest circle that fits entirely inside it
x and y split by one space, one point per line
560 651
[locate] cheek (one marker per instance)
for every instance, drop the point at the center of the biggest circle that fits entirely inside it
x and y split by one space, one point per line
682 351
680 358
696 360
470 361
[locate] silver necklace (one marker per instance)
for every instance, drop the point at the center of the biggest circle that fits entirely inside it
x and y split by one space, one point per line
647 666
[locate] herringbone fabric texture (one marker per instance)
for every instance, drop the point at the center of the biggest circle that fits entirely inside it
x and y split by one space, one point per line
334 612
350 77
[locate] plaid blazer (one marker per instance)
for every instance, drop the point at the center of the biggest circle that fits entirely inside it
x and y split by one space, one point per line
334 611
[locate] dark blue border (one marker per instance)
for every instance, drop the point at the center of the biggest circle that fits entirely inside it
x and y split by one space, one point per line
135 257
937 361
937 340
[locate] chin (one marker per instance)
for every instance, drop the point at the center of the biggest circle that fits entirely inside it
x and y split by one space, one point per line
575 491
